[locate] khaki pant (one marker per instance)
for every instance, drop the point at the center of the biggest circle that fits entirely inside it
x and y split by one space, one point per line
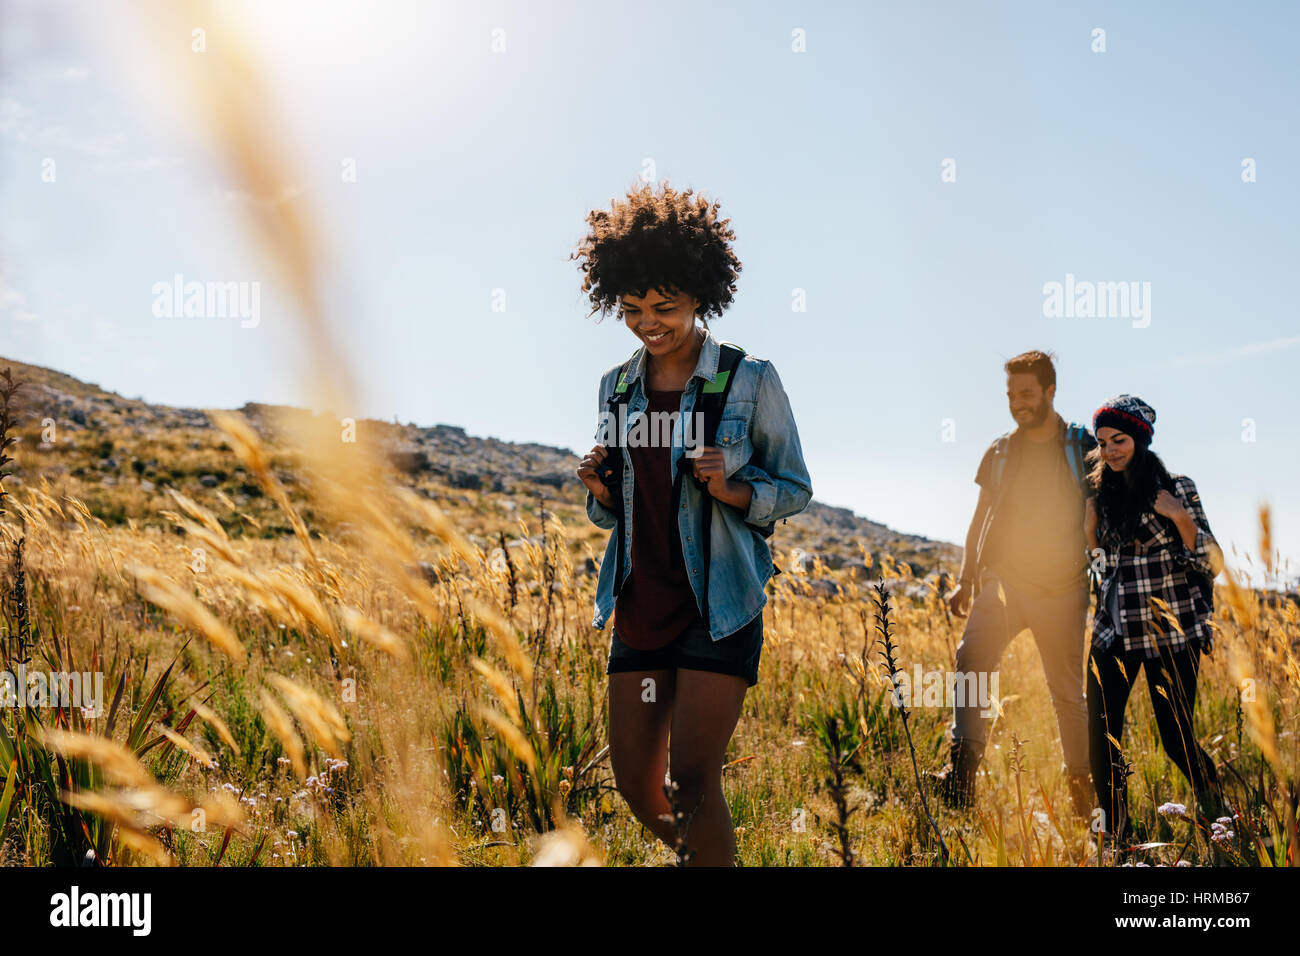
997 615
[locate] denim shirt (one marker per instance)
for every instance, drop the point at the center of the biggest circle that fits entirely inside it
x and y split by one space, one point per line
760 445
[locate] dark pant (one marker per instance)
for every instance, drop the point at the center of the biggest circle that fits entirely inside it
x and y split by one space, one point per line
1171 681
999 613
737 653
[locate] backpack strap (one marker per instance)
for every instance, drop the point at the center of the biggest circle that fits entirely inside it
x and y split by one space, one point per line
1000 449
1074 442
711 399
613 464
619 396
712 396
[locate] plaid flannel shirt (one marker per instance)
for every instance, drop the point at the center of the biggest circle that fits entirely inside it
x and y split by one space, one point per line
1155 563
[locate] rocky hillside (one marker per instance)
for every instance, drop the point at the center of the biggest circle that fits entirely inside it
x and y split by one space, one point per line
119 455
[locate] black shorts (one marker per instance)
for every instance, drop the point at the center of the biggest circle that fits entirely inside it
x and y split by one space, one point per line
737 653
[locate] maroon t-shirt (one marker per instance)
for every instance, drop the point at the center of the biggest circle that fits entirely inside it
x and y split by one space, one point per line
656 604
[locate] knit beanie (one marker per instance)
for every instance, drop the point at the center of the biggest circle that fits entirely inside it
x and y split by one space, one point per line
1128 414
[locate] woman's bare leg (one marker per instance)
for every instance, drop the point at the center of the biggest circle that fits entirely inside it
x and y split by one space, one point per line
639 718
706 708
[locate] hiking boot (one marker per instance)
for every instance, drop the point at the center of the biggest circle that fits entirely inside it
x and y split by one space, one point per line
955 783
1082 796
1111 848
1115 847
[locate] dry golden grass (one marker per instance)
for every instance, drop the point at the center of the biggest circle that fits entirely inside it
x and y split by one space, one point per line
444 723
338 705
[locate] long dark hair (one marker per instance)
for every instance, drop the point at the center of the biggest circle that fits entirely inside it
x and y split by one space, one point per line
1124 496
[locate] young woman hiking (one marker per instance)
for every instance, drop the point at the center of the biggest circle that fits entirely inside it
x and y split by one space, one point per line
1157 544
685 569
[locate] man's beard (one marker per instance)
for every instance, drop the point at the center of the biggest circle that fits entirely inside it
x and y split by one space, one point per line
1038 415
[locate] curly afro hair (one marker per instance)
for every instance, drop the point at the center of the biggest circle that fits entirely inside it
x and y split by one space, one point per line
658 239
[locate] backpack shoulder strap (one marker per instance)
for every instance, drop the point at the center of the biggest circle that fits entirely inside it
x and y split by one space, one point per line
712 399
1000 447
614 463
622 389
611 471
714 393
621 385
1074 442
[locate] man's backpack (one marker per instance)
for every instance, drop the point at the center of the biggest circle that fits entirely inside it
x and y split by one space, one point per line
1076 447
1077 443
711 399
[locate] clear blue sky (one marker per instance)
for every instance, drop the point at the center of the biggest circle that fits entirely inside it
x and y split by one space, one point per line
475 170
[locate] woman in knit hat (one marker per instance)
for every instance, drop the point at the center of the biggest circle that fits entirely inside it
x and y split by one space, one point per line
1152 532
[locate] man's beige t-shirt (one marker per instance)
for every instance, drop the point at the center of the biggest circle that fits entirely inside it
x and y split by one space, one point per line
1038 540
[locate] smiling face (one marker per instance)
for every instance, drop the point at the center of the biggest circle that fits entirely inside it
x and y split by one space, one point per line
1116 447
665 323
1029 402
